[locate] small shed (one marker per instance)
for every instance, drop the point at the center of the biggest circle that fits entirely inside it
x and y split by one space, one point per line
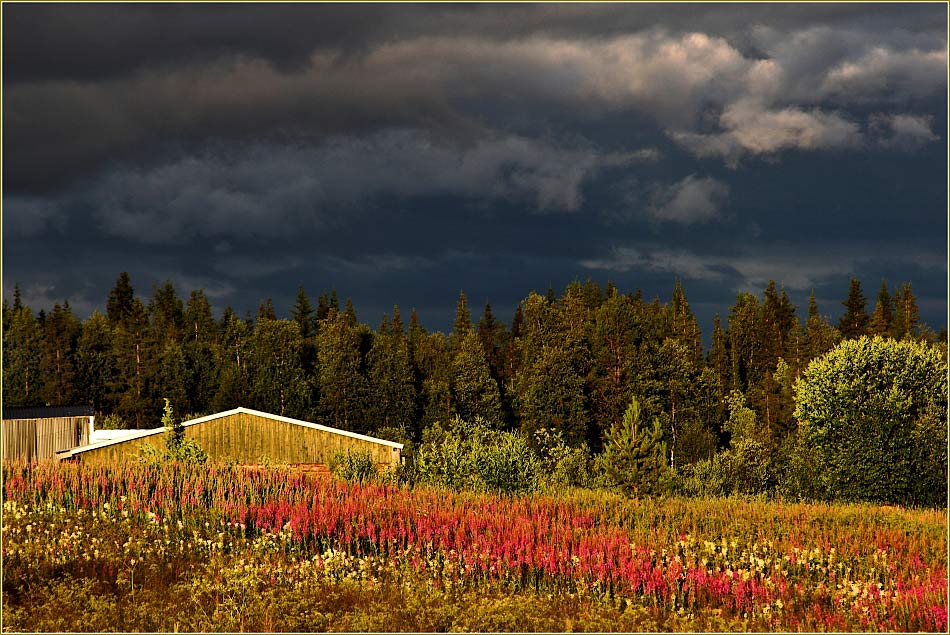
38 433
252 437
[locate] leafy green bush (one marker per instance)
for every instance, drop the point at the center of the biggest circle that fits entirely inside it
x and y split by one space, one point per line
562 464
354 466
745 468
872 422
472 455
112 421
177 447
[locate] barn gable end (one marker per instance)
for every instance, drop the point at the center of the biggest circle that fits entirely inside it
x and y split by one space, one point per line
251 437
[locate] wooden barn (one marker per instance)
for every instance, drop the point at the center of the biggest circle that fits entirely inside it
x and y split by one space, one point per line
38 433
249 437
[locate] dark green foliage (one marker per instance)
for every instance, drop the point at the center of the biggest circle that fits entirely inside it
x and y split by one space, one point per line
23 380
883 316
854 322
868 412
474 391
119 305
200 343
278 383
635 455
391 386
61 335
95 366
343 387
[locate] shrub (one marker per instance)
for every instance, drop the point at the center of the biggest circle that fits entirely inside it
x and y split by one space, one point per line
472 455
354 466
562 464
745 468
872 415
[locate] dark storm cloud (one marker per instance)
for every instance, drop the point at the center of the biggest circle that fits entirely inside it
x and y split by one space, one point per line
404 152
193 74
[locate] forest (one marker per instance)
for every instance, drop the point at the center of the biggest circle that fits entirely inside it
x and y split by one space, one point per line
567 368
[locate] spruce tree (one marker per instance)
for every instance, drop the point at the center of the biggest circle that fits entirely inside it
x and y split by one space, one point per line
392 392
95 365
883 316
200 341
463 317
167 314
22 360
119 305
854 322
302 314
474 390
61 334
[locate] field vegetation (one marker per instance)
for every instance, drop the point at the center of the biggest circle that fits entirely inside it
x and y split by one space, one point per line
180 546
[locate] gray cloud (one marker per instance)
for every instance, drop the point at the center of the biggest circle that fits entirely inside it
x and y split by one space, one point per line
751 268
902 131
750 129
691 200
280 191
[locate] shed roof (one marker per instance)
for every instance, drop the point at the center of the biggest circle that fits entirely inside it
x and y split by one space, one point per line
147 433
46 412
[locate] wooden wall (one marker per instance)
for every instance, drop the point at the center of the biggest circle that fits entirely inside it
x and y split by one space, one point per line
39 439
249 439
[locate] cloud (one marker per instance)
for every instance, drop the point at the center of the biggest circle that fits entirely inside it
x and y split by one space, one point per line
902 132
751 129
25 216
884 73
691 200
751 269
278 191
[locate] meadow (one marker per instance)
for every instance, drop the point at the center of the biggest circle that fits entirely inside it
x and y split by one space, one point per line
176 547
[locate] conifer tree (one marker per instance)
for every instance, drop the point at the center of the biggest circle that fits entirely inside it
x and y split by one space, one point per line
342 384
634 454
820 337
266 310
854 321
392 391
200 340
463 317
883 316
134 352
119 305
61 334
22 360
95 366
167 314
278 383
474 390
232 363
302 314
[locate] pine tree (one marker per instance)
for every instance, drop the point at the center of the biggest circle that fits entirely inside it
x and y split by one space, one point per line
392 391
167 314
854 321
343 387
134 353
200 340
266 310
683 325
911 314
61 334
119 305
463 318
232 363
883 316
95 365
474 390
820 337
22 360
278 382
302 314
634 454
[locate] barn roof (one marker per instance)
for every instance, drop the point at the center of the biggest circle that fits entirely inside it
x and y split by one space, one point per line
220 415
47 412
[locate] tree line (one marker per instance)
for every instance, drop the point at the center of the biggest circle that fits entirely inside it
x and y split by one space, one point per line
568 364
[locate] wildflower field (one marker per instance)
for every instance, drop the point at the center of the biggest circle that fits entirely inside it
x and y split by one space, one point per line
136 547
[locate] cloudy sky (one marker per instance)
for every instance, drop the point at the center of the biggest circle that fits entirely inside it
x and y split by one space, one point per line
404 153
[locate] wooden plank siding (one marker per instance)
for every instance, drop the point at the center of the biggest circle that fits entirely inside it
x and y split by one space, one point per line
246 438
41 439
